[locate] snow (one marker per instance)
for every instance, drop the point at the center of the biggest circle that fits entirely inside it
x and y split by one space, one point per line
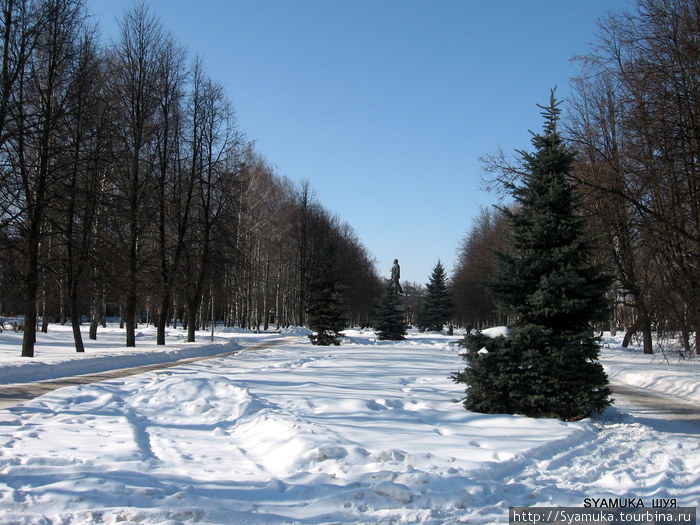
496 331
368 432
665 374
56 357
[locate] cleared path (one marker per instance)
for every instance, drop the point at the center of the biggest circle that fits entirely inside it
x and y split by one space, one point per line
13 395
662 412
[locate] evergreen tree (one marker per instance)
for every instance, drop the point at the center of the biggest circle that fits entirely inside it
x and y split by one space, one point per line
325 306
438 307
487 374
548 365
388 318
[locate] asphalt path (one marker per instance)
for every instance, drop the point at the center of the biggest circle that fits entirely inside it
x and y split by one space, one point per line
659 411
16 394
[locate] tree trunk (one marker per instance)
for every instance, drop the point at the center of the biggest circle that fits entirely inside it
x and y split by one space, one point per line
162 317
642 323
31 283
685 340
75 312
103 312
191 320
94 317
75 322
647 337
130 315
29 337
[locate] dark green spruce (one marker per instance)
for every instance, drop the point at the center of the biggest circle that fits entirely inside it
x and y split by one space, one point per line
325 309
389 323
438 307
548 366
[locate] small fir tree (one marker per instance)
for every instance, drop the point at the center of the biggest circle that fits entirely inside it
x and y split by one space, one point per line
325 311
548 366
438 307
388 318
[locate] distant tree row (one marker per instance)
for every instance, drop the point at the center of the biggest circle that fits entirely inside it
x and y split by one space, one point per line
633 123
128 189
476 263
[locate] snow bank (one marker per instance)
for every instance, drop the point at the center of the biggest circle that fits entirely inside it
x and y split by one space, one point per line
496 331
672 377
299 331
55 355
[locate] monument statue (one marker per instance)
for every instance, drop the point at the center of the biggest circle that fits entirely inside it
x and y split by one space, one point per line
396 276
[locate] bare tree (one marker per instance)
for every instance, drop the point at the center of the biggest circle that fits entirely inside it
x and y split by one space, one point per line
476 264
135 77
18 37
214 153
86 130
636 121
306 203
175 184
597 129
41 102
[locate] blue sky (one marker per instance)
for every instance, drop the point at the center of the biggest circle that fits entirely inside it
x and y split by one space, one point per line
385 106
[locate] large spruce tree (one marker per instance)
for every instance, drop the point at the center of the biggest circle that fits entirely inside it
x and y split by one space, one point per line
438 307
548 366
325 311
389 321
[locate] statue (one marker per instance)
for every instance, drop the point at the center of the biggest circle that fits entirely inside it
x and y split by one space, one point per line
396 276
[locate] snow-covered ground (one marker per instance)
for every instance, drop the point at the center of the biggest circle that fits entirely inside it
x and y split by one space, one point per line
368 432
663 373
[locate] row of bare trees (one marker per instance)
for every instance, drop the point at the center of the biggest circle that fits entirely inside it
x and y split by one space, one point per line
476 263
126 183
634 121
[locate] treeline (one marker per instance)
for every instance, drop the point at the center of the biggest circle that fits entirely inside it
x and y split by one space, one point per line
128 188
634 124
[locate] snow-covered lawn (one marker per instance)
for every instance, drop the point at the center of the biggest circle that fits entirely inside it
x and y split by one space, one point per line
368 432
